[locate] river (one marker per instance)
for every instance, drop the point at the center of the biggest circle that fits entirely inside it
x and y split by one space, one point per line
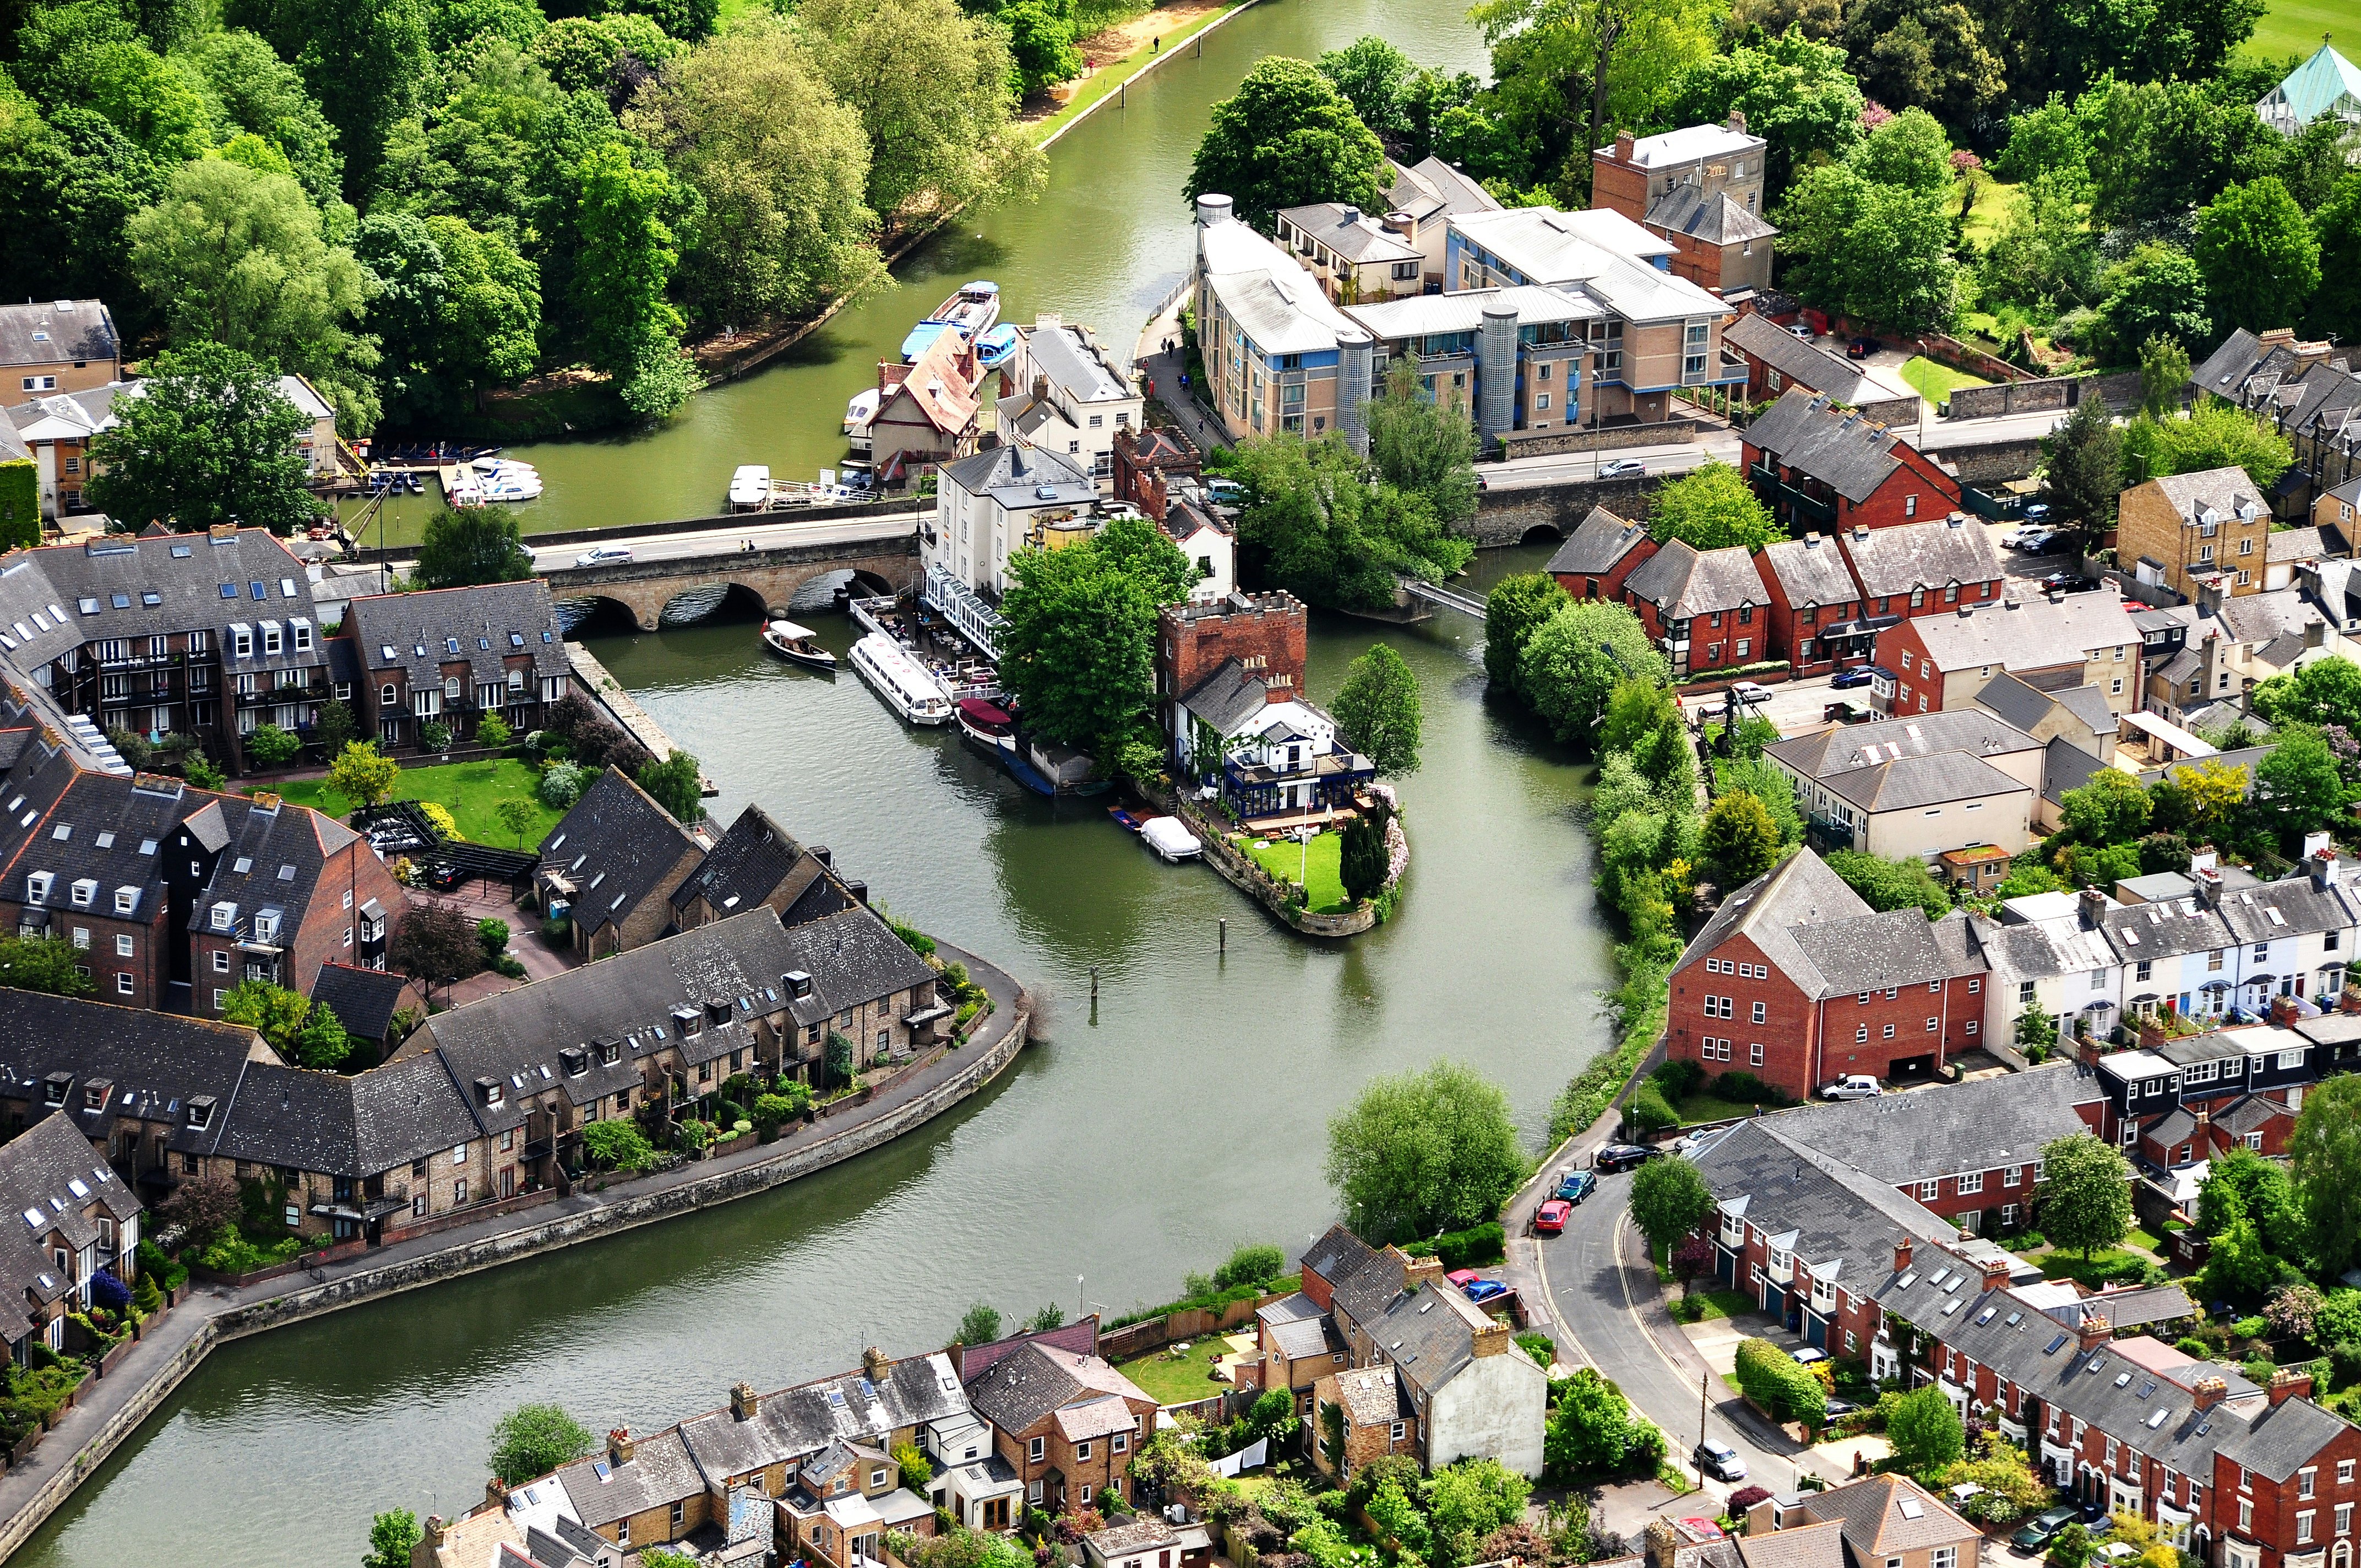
1137 1141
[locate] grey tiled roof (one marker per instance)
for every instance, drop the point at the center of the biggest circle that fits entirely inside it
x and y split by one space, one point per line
1878 1526
1013 476
1433 190
1934 555
490 623
2066 766
1850 454
822 896
2227 368
660 1473
1021 1388
157 1061
807 1417
618 846
49 1169
2301 908
1948 1129
1875 951
1356 239
2124 1310
1806 364
1914 782
2030 634
853 958
1799 891
2036 949
1598 544
1227 697
1682 582
2221 490
1811 571
1843 1220
1844 747
742 869
364 1000
85 331
1428 1333
2150 931
1716 219
119 586
2282 1438
2264 617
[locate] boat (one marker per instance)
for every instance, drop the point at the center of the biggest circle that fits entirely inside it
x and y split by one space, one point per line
750 488
1124 819
898 677
1046 768
984 725
973 309
508 482
857 415
996 347
798 643
920 335
460 488
1172 841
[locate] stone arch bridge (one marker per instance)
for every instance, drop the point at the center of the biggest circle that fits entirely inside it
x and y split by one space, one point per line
882 558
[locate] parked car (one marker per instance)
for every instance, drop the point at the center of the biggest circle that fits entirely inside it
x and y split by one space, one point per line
2065 583
1852 1086
605 556
1837 1407
1749 693
1699 1528
2030 539
1802 331
2034 511
1807 1355
1622 1157
1718 1460
1549 1219
1485 1290
1574 1186
1846 680
2038 1530
1225 492
2051 543
1860 348
1463 1278
1623 468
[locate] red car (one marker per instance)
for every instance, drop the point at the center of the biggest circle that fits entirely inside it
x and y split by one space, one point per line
1549 1219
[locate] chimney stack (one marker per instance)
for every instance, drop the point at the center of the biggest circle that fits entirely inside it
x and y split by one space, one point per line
2323 868
619 1447
743 1401
1493 1339
874 1364
2094 907
1738 121
496 1492
1623 140
2208 888
1416 1270
1995 1273
1661 1540
2087 1053
2287 1383
1902 1256
2209 1392
426 1554
2093 1331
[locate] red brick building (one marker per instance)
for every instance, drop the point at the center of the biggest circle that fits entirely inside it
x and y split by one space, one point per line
1701 188
1946 660
1923 568
1800 982
1064 1419
1706 609
1599 554
1264 632
1815 610
1819 468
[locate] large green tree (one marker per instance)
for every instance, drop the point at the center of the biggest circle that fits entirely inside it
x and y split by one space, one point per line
2299 789
2326 691
1739 838
1420 1153
1286 137
1877 252
620 276
212 441
2082 464
1377 710
2325 1157
1315 525
1669 1200
1513 611
533 1439
2212 435
1373 76
1798 94
1925 1432
1711 507
2259 252
1569 71
1423 448
2155 291
43 963
70 182
366 61
2084 1200
2336 304
258 92
1575 658
1079 649
477 544
1937 55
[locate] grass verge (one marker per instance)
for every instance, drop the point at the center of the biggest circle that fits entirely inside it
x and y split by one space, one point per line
1936 382
1711 1108
1706 1306
1643 1002
1114 74
470 792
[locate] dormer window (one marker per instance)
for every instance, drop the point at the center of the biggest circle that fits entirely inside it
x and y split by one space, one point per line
300 631
690 1020
37 887
610 1052
271 638
266 926
127 900
201 1112
85 892
53 1087
225 917
241 641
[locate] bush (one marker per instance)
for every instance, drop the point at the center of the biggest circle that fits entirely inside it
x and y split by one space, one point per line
1773 1380
494 936
434 735
1470 1248
509 964
1251 1265
562 784
1746 1497
1540 1347
618 1144
108 1292
1743 1087
271 746
1679 1080
1648 1112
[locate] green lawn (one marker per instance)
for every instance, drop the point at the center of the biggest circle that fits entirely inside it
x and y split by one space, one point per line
471 792
1287 861
1936 382
1707 1305
2107 1266
1113 73
2293 26
1995 198
1173 1379
1709 1108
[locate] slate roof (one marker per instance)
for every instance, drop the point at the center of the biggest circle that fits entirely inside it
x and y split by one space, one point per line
2124 1310
744 867
1716 219
2025 706
2301 908
1850 454
1684 583
660 1473
852 959
491 622
1297 1327
1806 364
1959 1127
1811 571
1428 1333
1819 1545
1850 747
2066 766
1798 892
49 1169
272 863
156 1062
822 896
1433 190
2219 490
2029 635
45 331
1934 554
2296 544
806 1418
1888 1516
1915 781
2263 618
404 1111
1355 238
1875 951
1022 1388
1372 1397
1598 544
1074 364
126 586
2227 367
2034 949
1228 698
364 1000
1014 476
618 846
2282 1438
2161 930
1843 1222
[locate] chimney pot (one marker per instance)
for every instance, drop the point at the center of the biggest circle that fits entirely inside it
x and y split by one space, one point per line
433 1529
1738 121
2208 888
743 1401
1662 1541
1902 1256
496 1492
2209 1392
874 1364
2287 1383
1995 1273
1623 140
620 1446
2092 1331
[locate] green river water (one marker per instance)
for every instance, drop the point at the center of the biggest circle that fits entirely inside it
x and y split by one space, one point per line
1133 1143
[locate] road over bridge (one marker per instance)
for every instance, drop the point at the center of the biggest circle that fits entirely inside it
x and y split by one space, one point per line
765 557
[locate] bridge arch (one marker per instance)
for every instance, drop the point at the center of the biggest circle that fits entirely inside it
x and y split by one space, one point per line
577 613
1541 533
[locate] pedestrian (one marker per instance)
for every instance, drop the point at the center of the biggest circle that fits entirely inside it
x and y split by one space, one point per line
1154 45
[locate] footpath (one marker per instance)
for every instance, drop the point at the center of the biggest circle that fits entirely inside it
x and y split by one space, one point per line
108 1410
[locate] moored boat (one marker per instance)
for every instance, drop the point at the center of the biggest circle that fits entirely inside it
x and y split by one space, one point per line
984 725
974 309
505 481
857 415
1172 841
996 347
750 488
1124 819
904 682
798 643
920 335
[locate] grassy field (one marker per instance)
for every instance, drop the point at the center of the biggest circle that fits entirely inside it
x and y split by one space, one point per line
1936 382
1287 861
2293 26
470 792
1112 74
1177 1380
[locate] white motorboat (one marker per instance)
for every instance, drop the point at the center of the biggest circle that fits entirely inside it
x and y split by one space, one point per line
858 413
798 643
750 488
896 675
508 482
1170 841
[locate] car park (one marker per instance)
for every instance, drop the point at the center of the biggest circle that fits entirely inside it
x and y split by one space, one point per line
604 555
1623 468
1854 1086
1718 1460
1574 1186
1551 1217
2042 1528
1846 680
1623 1156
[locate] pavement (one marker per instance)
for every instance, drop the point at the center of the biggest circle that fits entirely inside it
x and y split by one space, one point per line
765 530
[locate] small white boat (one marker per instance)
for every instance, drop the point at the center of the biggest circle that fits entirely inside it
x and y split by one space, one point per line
1170 841
509 482
750 488
460 488
494 463
858 413
798 643
973 309
907 687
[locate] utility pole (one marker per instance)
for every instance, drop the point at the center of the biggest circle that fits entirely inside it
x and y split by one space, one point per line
1703 1378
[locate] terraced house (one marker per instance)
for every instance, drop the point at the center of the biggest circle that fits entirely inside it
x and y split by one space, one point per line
73 1220
449 656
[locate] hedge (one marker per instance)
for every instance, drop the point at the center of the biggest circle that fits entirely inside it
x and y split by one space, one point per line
20 505
1470 1248
1778 1382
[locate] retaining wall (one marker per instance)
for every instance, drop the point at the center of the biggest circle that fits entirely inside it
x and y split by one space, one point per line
1993 462
1505 517
1612 438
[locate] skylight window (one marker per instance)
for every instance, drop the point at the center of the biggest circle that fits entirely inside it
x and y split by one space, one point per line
259 589
182 551
1939 1276
120 601
1985 1316
150 598
2013 1319
1908 1279
106 841
2158 1419
229 590
243 864
87 606
2123 1379
388 654
516 639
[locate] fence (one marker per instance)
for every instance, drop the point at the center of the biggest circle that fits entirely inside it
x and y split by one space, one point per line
1188 1322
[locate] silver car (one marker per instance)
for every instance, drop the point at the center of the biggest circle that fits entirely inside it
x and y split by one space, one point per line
605 556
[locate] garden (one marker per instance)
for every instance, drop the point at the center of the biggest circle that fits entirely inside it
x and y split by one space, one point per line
471 793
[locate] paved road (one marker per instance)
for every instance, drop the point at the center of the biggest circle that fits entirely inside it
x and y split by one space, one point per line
766 529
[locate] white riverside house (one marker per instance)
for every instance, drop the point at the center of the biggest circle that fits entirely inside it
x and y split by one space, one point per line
990 505
1070 398
1268 757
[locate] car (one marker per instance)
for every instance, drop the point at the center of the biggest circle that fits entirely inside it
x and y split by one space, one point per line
1462 1278
2031 539
2039 1529
1225 492
1807 1355
1846 680
1485 1290
1837 1407
1852 1086
1483 482
1860 348
2064 583
1623 468
1622 1157
2051 543
1749 693
1803 333
1576 1185
1701 1530
1718 1460
2036 511
1550 1218
604 555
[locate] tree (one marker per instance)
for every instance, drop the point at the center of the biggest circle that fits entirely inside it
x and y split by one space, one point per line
42 963
2155 291
1423 448
1420 1153
434 942
2164 371
1669 1200
1377 711
1515 608
1876 252
335 729
2036 1028
677 783
1887 884
1580 654
302 1031
1315 525
2298 788
2325 1157
1250 1263
212 442
203 1206
1285 138
362 777
621 271
615 1143
1048 1317
1775 790
2044 251
393 1536
1739 838
979 1326
1080 645
1909 149
2260 257
1797 93
1363 858
2214 434
258 92
1930 54
2082 466
364 60
1040 44
517 815
487 318
1710 507
2325 692
1468 1500
932 90
2336 304
1372 75
1594 1431
270 746
2111 810
1692 1259
2084 1197
1925 1432
1569 71
533 1439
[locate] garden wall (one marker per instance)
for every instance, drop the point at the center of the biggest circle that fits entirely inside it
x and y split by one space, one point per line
1241 872
1190 1322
